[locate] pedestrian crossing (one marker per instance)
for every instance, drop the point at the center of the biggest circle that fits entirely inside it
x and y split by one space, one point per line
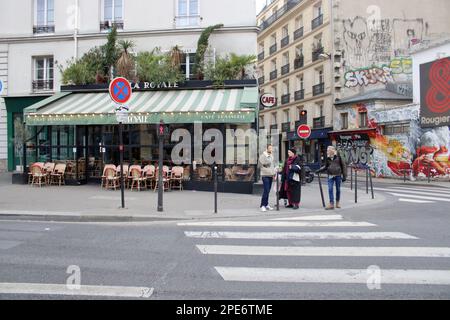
417 195
212 238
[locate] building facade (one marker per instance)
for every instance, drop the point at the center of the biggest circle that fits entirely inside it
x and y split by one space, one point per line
45 34
363 60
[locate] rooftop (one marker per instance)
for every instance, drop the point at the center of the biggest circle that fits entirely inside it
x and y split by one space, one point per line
380 94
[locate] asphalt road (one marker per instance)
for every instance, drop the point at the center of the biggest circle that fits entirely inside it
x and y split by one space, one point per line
258 258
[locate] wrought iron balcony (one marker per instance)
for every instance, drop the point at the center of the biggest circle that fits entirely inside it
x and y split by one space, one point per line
43 29
273 75
284 41
261 56
299 95
273 49
286 127
319 122
315 23
298 33
299 62
106 25
261 80
286 98
273 127
278 14
42 85
316 53
285 69
318 89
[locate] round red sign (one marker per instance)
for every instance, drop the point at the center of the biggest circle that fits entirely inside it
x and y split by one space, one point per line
304 131
120 90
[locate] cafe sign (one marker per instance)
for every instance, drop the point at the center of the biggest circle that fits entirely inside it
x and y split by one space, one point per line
154 85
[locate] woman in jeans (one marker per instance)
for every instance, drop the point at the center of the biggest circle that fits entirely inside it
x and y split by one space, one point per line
291 180
337 172
267 172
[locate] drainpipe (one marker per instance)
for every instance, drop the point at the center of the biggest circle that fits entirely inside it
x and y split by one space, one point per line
75 29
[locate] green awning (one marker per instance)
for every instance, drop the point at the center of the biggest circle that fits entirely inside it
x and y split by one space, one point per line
148 107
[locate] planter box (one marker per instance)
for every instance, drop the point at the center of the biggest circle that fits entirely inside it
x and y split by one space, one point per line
19 178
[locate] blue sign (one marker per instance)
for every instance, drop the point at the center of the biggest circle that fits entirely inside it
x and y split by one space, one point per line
1 87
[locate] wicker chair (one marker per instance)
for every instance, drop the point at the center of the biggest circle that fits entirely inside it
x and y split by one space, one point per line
38 175
104 180
30 175
176 178
137 178
165 179
49 168
150 175
57 177
111 178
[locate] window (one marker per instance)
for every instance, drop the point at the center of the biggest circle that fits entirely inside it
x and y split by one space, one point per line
397 128
344 120
43 74
320 74
274 118
188 13
187 65
286 87
44 16
299 22
300 82
287 117
285 31
112 14
363 119
286 58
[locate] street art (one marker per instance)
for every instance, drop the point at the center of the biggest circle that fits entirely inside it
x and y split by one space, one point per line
355 148
407 32
401 65
365 77
357 41
381 40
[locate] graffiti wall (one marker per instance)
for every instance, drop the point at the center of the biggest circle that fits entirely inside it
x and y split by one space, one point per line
415 151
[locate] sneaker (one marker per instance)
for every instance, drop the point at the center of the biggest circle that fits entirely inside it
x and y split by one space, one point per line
290 206
296 207
263 209
269 208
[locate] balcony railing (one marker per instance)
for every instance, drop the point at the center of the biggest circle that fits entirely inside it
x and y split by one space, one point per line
315 23
300 122
106 25
273 75
298 33
284 41
278 14
42 85
273 127
273 49
187 21
299 95
261 80
316 53
285 69
319 122
43 29
299 62
318 89
261 56
286 98
286 127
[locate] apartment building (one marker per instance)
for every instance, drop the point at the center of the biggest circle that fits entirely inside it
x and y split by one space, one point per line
293 42
337 60
40 35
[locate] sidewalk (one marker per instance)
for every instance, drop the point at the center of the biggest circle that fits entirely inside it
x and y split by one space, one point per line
91 203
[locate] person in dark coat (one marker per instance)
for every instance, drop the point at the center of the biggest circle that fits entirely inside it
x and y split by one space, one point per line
291 180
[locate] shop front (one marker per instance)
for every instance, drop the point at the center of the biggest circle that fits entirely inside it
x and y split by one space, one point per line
79 128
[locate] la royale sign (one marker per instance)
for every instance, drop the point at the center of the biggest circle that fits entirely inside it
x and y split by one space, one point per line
154 85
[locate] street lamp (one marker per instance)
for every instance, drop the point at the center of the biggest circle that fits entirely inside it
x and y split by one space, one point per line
325 56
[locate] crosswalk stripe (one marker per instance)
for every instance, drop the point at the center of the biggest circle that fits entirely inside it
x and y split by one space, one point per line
348 276
326 251
276 224
403 195
438 190
311 218
414 201
415 192
299 235
59 289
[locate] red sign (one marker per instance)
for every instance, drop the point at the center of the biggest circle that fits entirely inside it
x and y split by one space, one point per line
268 100
120 90
304 131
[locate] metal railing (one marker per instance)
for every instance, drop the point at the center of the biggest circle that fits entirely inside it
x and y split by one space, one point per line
315 23
261 80
285 69
187 21
278 14
106 25
299 95
261 56
319 122
316 53
273 75
42 85
299 62
284 41
298 33
43 29
318 89
273 49
286 98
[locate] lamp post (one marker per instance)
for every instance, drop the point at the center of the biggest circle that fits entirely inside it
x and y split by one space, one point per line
121 116
160 131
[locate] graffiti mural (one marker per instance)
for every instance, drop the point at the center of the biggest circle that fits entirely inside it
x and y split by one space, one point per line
406 33
355 148
381 48
357 41
365 77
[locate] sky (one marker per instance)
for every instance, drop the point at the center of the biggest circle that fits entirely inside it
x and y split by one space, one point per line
259 5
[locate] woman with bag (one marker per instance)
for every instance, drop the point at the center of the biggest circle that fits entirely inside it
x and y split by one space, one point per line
290 180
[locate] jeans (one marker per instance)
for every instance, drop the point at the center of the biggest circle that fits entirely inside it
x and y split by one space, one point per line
267 183
331 181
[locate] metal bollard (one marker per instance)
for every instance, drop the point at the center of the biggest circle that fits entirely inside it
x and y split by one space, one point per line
429 173
321 191
278 192
351 177
356 185
367 180
215 189
371 184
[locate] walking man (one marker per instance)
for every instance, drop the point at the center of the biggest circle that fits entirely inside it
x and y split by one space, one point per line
337 173
267 173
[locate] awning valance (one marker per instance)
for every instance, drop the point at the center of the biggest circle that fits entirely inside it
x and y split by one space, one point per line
177 106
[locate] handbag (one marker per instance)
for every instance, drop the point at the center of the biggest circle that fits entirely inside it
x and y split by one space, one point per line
296 177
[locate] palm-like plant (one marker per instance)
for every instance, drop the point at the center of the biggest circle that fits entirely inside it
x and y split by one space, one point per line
125 64
239 63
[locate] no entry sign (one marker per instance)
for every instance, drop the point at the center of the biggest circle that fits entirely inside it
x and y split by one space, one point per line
120 90
304 131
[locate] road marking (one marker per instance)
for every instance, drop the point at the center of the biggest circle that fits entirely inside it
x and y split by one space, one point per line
299 235
418 197
414 201
8 244
439 190
415 192
349 276
59 289
311 218
276 224
428 252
